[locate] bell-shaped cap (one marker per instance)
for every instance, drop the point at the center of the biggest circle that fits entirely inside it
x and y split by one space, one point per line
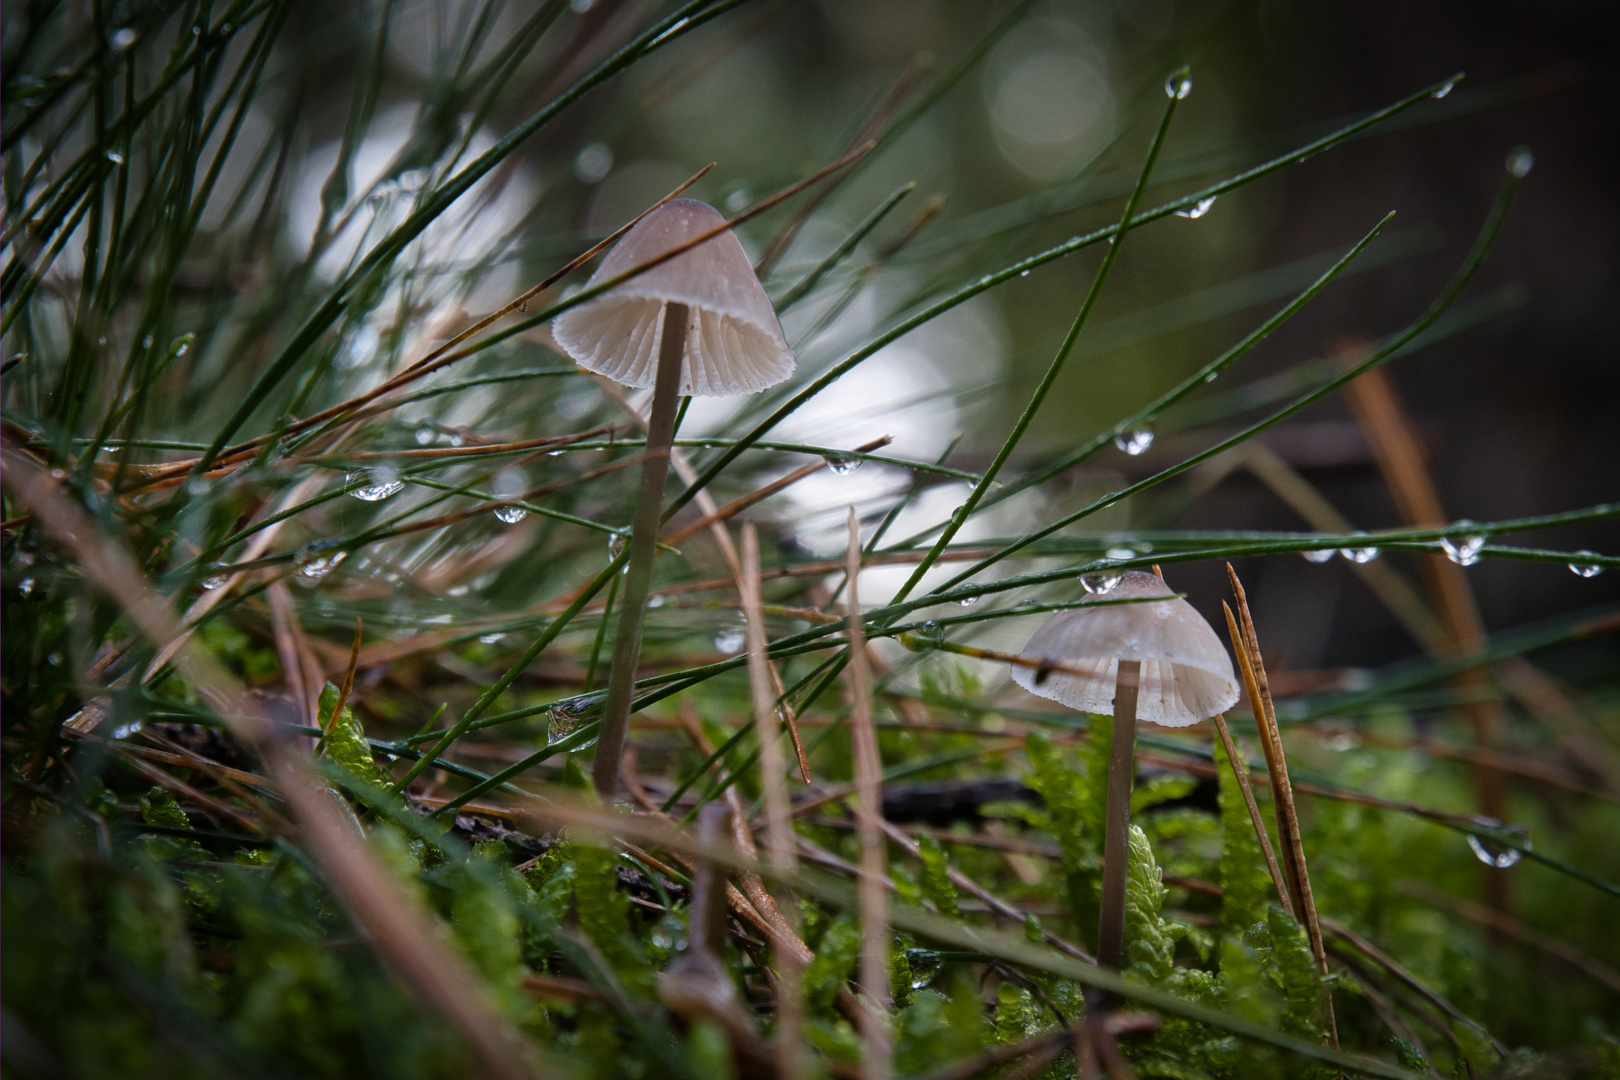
734 344
1186 675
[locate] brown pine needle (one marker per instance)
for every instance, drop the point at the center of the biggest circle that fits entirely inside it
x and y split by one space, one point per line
869 816
1240 769
791 1051
1247 646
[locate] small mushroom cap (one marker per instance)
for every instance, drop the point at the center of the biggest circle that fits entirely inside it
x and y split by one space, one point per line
734 344
1186 674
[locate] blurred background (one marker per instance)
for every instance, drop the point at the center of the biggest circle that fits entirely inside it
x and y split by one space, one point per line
1515 407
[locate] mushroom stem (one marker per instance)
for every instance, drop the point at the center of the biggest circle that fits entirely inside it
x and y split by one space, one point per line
643 546
1116 849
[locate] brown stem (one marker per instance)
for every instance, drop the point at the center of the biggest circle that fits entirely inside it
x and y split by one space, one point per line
869 821
1116 836
643 546
1240 769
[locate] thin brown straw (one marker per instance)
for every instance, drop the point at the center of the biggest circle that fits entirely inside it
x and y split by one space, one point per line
1248 648
1240 769
1116 828
780 846
875 1062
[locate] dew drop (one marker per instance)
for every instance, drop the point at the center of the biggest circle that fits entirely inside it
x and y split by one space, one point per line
456 591
122 39
655 601
1178 86
1321 555
1121 553
115 157
1212 376
615 544
511 514
1197 209
376 485
1491 855
564 718
1463 550
968 601
491 639
731 640
315 561
1134 441
424 435
929 629
1520 161
842 466
1446 87
1101 581
1585 569
25 587
1023 273
1359 555
215 578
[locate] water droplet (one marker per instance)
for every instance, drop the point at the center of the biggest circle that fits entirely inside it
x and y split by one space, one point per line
315 561
182 344
580 7
594 162
1520 161
1197 209
216 577
54 659
511 514
1134 441
564 719
197 486
377 484
1121 553
656 600
491 639
1463 550
1178 86
924 965
115 157
731 640
457 439
424 435
25 587
1212 376
122 38
968 601
1023 273
1359 555
1446 87
1585 569
737 200
615 544
1492 855
456 591
842 466
929 629
1101 581
1321 555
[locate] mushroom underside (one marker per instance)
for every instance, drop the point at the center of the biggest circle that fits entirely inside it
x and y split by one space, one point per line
1172 694
618 336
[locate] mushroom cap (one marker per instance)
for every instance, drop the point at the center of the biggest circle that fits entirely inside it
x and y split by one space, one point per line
734 344
1186 674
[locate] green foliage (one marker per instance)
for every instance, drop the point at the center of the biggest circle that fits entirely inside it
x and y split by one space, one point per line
937 886
1245 879
1076 807
346 739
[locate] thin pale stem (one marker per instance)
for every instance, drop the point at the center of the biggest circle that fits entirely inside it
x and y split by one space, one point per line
643 546
1116 839
869 820
778 812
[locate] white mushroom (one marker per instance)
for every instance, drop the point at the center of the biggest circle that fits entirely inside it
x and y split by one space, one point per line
698 323
1156 659
734 344
1186 675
